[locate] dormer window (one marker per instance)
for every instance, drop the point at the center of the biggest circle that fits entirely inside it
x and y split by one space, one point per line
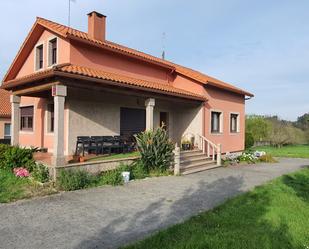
52 52
39 57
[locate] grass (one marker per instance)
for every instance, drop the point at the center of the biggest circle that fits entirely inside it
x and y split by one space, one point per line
296 151
13 188
271 216
116 156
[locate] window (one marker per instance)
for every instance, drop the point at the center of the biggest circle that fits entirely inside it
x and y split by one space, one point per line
7 131
52 52
39 57
50 118
216 122
234 123
26 118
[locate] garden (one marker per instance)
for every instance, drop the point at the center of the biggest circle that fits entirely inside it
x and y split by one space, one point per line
21 177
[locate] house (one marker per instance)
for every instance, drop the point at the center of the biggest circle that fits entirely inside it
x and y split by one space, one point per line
5 116
67 83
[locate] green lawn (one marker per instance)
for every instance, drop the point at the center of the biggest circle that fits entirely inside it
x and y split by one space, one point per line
116 156
297 151
13 188
275 215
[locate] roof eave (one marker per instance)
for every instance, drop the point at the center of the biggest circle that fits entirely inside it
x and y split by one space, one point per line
11 85
112 82
238 91
5 115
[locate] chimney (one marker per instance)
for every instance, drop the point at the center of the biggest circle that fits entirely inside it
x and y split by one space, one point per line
96 25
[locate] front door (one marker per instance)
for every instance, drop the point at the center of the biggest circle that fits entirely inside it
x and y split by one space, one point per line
132 121
164 120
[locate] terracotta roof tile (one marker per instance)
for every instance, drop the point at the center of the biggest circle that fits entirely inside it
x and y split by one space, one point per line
193 74
5 105
108 76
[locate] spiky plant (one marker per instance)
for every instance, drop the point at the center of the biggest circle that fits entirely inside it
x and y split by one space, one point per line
156 149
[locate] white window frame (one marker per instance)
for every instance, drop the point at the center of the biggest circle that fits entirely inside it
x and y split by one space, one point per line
35 57
47 51
47 119
221 124
238 122
7 135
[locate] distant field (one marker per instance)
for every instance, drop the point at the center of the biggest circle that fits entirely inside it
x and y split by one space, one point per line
296 151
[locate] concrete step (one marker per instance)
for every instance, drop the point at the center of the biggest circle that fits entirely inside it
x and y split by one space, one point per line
190 153
194 159
198 168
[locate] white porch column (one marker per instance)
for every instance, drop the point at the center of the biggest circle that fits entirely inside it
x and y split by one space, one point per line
59 92
15 104
149 103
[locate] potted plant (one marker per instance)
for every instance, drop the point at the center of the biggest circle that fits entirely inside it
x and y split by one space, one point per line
75 158
82 159
186 144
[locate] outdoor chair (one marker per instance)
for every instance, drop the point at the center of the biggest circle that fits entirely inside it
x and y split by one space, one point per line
96 144
83 142
107 143
116 146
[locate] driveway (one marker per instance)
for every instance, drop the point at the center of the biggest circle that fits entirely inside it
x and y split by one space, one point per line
108 217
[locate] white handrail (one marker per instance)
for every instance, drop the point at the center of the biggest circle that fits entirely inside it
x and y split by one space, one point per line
216 149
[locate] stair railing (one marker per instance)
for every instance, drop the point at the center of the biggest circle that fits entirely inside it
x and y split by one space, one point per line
210 149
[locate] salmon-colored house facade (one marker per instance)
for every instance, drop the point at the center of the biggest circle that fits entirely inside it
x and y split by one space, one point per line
66 83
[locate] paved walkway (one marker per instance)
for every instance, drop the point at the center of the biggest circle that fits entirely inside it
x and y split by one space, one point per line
108 217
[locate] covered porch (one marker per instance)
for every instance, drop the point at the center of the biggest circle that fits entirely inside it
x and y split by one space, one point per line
67 108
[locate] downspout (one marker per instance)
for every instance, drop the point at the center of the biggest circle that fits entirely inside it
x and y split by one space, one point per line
203 117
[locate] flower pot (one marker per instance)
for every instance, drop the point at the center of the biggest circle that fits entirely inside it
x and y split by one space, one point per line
76 158
186 146
126 176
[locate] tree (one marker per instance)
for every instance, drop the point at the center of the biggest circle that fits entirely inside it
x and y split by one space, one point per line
303 122
285 133
259 127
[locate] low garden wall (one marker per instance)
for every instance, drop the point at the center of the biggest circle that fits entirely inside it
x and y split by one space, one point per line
95 167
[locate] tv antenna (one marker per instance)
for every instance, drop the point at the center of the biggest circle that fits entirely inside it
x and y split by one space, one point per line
69 14
163 45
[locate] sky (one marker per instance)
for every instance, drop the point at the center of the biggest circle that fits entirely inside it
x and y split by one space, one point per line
260 46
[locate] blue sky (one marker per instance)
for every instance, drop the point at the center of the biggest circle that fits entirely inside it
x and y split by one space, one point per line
261 46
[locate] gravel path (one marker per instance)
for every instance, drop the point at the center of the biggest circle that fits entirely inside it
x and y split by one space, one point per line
108 217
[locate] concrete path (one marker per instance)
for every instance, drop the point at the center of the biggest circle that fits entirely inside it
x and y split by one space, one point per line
108 217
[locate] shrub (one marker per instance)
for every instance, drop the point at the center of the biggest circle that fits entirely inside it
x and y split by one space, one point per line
40 173
112 177
15 157
247 157
155 148
3 149
249 140
73 179
138 170
267 159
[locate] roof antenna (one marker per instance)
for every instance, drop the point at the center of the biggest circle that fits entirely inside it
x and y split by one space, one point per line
163 45
69 14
